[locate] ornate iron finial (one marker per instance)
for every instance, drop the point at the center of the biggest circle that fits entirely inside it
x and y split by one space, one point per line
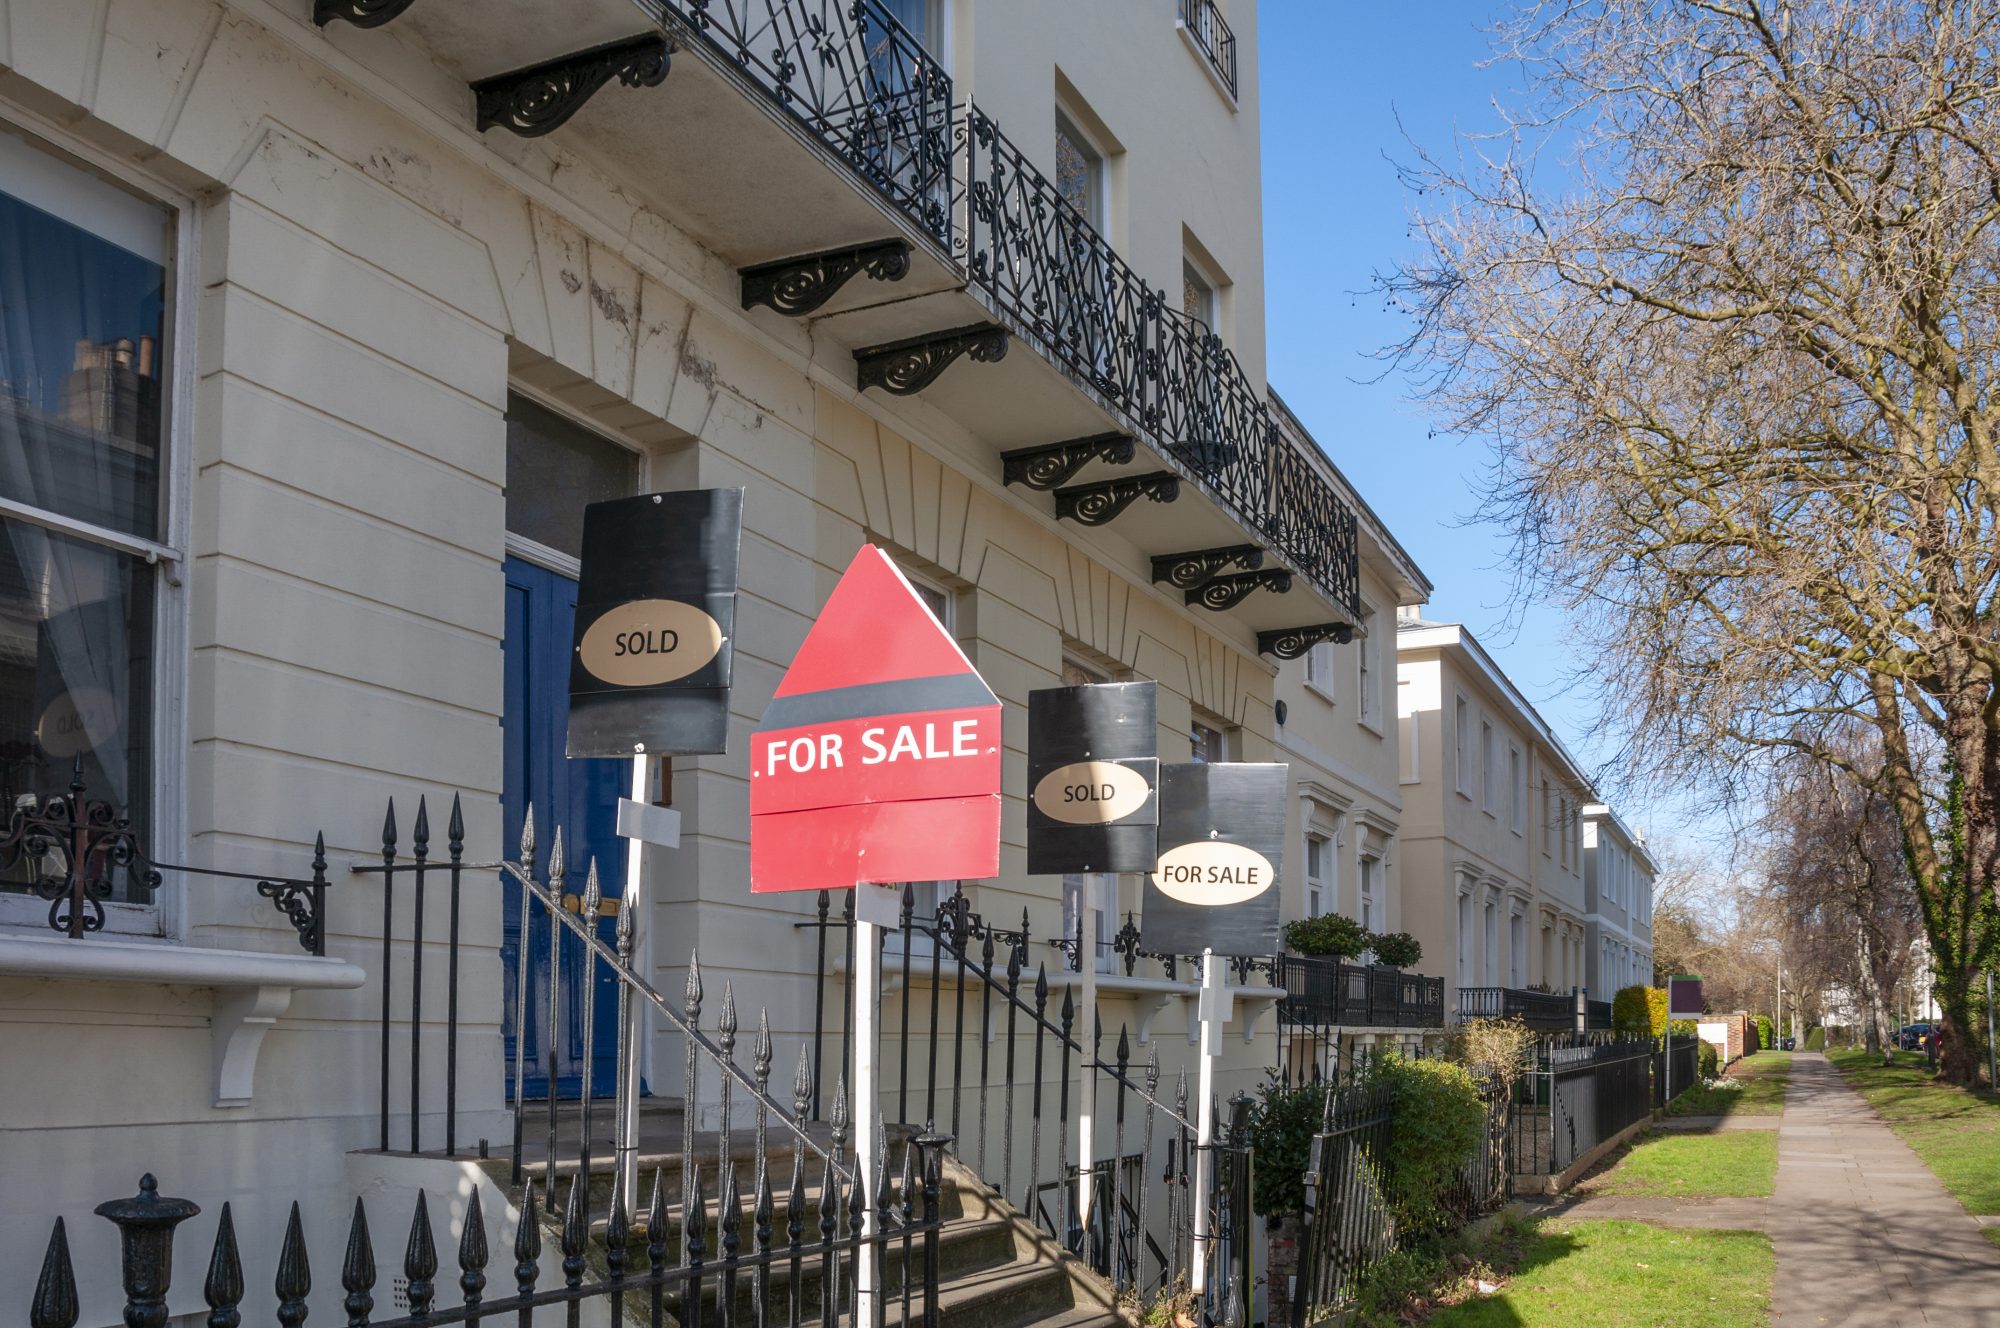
528 840
455 830
420 834
294 1281
55 1304
696 1218
691 995
839 1117
420 1260
528 1242
725 1024
802 1084
727 1207
760 1051
357 1269
656 1223
472 1254
1124 1052
575 1228
558 865
593 894
617 1232
223 1287
389 830
146 1225
1152 1071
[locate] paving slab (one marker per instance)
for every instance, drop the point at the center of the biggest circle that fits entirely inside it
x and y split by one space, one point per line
1865 1234
1712 1124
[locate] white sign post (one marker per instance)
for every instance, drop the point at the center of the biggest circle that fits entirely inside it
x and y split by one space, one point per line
1086 1089
639 823
1214 1010
875 907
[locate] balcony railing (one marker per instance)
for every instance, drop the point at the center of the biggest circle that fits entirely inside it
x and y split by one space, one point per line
1204 23
1553 1012
852 74
1047 270
1331 993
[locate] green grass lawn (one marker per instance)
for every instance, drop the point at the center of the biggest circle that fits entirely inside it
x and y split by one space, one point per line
1754 1086
1626 1275
1956 1133
1682 1164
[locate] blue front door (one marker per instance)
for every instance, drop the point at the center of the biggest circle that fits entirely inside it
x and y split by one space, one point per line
582 798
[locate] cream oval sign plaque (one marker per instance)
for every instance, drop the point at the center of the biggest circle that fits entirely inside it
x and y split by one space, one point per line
648 642
1091 793
1212 873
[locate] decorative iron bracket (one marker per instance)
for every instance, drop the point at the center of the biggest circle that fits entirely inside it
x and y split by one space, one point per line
798 286
533 101
361 13
909 366
1055 465
1226 592
1291 642
1190 571
1100 504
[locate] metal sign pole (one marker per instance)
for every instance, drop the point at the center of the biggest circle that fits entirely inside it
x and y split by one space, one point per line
627 1147
875 906
1086 1089
1214 1014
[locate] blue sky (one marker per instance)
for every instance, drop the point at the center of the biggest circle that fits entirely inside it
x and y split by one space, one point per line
1337 78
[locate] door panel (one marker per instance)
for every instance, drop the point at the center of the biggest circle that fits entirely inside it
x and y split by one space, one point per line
579 796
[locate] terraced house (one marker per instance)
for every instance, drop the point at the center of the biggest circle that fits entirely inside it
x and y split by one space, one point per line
320 322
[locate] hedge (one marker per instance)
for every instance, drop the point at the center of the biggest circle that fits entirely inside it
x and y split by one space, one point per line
1640 1011
1815 1039
1766 1035
1439 1122
1711 1063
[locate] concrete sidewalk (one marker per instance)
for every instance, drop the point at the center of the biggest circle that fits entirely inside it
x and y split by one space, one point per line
1865 1234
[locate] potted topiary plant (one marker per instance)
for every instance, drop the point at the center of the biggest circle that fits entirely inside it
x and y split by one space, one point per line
1331 935
1398 949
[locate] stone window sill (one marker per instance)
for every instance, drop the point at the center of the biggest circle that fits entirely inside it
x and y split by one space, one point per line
252 988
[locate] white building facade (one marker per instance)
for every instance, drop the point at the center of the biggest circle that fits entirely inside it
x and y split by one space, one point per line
1618 890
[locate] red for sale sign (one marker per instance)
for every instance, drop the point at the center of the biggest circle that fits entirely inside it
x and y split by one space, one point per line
878 760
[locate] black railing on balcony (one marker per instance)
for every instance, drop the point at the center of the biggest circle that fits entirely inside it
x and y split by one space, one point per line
1322 992
1204 22
865 85
1046 269
1553 1012
853 75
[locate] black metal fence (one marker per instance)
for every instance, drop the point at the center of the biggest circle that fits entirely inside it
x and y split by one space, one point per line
788 1271
1575 1098
1348 1222
998 1058
1679 1066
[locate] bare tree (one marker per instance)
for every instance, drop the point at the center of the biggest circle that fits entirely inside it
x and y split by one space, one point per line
1836 872
1738 357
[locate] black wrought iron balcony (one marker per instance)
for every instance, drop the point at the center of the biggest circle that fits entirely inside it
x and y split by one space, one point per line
1332 993
853 75
1205 26
1547 1011
1049 272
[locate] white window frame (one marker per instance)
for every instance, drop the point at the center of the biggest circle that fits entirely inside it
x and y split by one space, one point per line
1319 677
1367 678
1462 743
1068 125
1487 750
1316 883
165 918
1367 869
1517 793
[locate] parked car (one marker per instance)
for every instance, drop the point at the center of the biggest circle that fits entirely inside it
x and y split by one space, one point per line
1910 1037
1788 1044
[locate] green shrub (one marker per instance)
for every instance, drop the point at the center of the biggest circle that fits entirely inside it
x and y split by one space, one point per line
1328 935
1282 1124
1639 1011
1711 1063
1491 1048
1439 1122
1684 1028
1764 1035
1398 949
1815 1039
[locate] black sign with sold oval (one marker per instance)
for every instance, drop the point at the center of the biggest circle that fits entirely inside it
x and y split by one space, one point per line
1092 767
1217 882
655 611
